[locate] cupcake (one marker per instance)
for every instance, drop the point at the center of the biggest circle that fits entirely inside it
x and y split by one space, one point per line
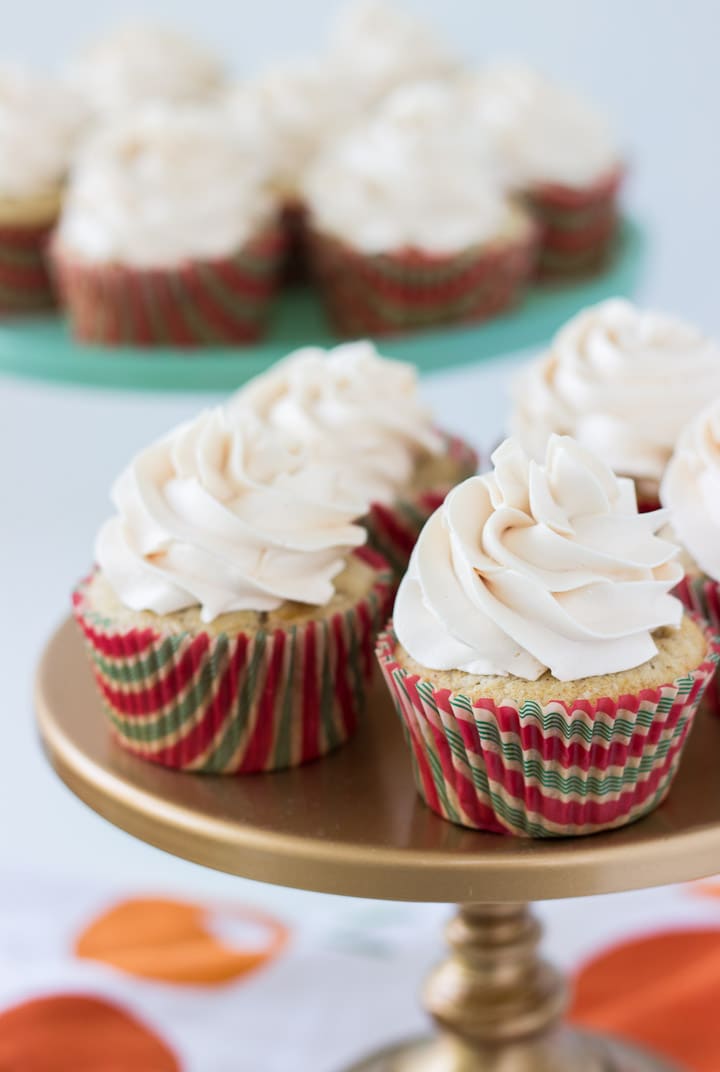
378 47
300 106
623 382
231 615
690 492
168 234
556 151
407 226
41 122
546 676
144 63
362 412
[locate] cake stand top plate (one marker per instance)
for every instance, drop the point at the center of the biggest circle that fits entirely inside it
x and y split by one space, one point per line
352 823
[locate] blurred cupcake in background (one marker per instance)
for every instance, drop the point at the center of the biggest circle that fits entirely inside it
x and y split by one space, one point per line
546 675
41 122
560 154
232 613
407 226
362 412
169 234
299 106
378 46
691 492
143 63
623 382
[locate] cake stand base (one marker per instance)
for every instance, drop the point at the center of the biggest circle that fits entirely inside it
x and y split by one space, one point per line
566 1052
498 1007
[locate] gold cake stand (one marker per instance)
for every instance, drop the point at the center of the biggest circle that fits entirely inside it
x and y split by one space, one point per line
353 824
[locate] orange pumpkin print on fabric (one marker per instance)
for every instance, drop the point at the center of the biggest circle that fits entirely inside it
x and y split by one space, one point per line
77 1033
705 889
181 943
660 992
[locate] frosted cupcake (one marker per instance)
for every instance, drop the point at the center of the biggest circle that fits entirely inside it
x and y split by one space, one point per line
169 234
408 229
298 106
378 47
353 408
560 154
690 491
546 676
144 63
41 122
623 382
231 616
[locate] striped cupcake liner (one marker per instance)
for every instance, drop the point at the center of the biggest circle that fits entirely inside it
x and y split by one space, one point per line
544 770
578 227
198 303
701 596
393 293
242 703
393 530
25 283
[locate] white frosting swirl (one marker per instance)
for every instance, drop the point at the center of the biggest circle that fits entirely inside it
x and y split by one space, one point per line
299 105
379 47
348 406
218 515
41 121
541 131
410 176
165 185
691 490
534 567
144 63
621 381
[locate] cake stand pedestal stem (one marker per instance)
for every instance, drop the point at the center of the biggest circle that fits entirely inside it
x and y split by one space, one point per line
498 1007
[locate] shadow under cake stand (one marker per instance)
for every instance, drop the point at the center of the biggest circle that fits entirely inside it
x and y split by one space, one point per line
353 824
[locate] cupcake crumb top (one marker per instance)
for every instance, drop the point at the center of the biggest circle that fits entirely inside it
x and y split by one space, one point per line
351 585
679 652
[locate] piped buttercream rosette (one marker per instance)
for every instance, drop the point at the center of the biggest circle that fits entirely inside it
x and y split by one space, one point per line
363 412
528 650
231 619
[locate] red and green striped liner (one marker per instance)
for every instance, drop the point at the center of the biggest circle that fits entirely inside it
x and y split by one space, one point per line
197 303
578 227
393 529
387 294
701 596
25 283
544 770
235 704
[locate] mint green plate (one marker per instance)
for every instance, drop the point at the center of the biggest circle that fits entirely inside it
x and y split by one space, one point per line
43 348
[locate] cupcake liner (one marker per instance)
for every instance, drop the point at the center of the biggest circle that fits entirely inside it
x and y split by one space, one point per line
393 529
647 492
25 283
578 227
544 770
701 596
387 294
294 224
236 704
197 303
